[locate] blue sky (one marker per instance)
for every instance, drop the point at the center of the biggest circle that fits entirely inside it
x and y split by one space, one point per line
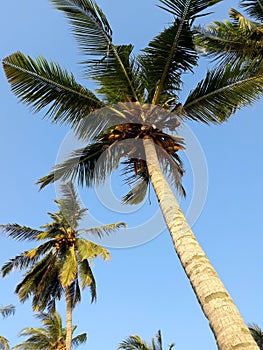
143 288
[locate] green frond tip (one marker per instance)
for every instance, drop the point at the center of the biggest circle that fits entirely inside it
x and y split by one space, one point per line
101 231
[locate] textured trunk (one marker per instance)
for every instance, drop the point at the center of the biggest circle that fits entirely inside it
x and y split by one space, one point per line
68 320
230 330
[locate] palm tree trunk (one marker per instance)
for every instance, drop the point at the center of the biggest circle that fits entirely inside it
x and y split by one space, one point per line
229 329
68 320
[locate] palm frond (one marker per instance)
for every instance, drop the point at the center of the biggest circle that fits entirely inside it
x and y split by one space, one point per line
40 84
231 42
4 343
90 250
87 279
7 310
20 233
94 35
101 231
224 91
167 56
79 339
75 293
18 262
257 334
70 205
188 9
254 8
70 268
134 342
89 165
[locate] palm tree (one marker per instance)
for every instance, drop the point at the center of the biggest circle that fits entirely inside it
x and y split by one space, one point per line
52 336
62 263
257 334
137 106
134 342
238 40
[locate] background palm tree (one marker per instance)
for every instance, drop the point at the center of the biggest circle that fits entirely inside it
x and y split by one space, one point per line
150 85
134 342
62 263
257 334
52 336
237 40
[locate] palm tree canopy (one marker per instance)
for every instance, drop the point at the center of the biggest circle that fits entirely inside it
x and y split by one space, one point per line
129 88
51 336
134 342
62 259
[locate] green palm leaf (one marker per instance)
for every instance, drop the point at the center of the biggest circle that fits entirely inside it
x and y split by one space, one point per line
94 35
188 9
79 339
100 231
21 233
40 84
87 279
222 92
90 250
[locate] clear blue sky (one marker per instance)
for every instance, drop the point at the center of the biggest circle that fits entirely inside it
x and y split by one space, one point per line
143 288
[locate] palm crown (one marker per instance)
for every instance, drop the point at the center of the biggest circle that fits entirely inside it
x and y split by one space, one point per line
52 336
137 96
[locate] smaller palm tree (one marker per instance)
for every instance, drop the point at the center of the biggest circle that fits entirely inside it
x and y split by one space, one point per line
52 336
257 334
134 342
61 264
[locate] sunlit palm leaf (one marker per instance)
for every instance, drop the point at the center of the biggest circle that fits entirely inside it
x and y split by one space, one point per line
232 42
70 268
4 343
222 92
91 250
40 84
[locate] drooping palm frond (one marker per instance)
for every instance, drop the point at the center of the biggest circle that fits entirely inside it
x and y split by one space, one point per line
87 279
94 35
223 92
254 8
7 310
40 85
70 268
21 233
79 339
18 262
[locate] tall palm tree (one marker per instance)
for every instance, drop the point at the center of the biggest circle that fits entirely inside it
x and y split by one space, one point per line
134 342
52 336
137 106
257 334
61 263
